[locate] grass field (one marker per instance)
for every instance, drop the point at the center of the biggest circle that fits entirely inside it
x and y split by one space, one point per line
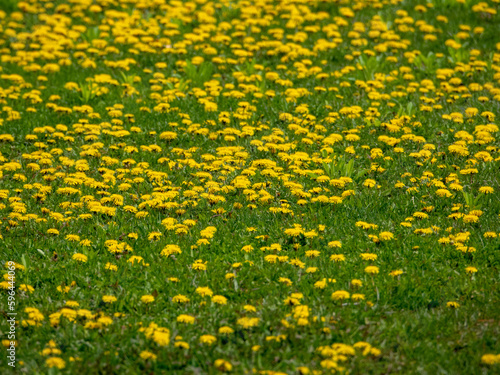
250 187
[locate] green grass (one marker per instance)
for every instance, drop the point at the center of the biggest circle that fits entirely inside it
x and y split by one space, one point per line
351 142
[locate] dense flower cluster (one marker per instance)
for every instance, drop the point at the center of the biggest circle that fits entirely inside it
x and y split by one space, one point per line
251 186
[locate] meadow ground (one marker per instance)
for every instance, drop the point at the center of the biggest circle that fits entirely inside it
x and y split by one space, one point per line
250 187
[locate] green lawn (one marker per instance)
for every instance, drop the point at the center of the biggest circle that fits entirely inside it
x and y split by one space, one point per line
254 187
